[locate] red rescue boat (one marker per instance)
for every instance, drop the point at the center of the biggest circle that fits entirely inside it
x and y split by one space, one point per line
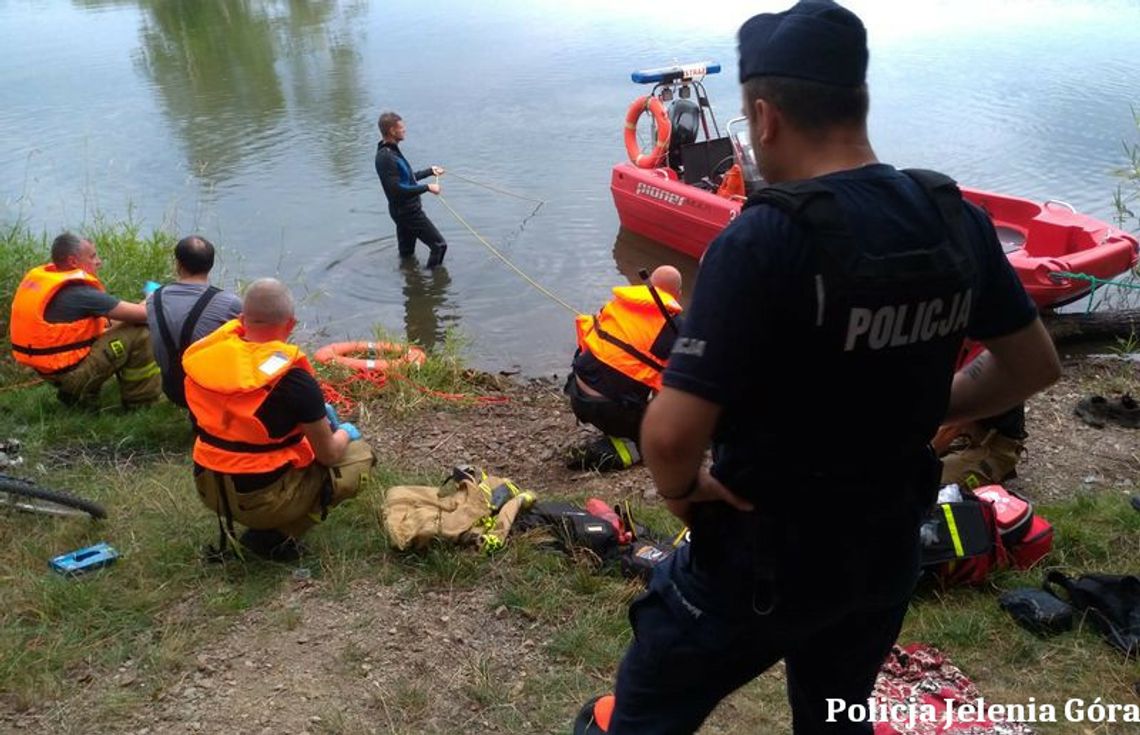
1046 240
678 195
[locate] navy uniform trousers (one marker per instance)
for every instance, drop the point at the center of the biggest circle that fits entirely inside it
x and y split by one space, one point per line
827 595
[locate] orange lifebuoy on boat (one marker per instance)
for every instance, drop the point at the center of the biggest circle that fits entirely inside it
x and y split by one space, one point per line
654 158
381 355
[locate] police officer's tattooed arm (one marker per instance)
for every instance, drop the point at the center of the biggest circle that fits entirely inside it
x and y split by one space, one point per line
674 436
1015 367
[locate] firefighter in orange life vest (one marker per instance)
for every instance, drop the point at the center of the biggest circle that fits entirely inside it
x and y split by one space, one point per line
269 454
66 327
621 353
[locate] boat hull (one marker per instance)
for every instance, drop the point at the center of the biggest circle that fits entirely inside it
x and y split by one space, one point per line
654 204
1041 240
1045 239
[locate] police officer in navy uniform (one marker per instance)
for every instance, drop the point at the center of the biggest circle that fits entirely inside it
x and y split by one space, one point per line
818 359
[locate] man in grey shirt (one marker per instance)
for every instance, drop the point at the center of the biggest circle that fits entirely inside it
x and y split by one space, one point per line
185 311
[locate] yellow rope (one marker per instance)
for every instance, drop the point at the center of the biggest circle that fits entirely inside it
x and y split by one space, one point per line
493 188
542 289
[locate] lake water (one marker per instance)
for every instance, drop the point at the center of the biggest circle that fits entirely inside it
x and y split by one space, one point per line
252 122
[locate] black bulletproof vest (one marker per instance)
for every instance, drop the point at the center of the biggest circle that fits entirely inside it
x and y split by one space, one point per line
863 378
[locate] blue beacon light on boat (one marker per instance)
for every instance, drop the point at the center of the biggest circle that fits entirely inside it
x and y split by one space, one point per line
680 72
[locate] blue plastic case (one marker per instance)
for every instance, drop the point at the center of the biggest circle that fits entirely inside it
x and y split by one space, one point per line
84 560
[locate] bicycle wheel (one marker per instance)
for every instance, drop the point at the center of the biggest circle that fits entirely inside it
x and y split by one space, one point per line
24 495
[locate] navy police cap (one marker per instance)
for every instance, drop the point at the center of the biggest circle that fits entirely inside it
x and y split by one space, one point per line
817 40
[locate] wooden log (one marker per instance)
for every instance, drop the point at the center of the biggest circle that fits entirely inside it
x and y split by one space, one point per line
1097 326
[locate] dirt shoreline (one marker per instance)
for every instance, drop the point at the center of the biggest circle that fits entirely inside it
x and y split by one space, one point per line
310 662
525 438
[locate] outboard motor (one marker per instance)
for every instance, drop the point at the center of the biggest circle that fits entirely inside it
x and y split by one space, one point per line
685 116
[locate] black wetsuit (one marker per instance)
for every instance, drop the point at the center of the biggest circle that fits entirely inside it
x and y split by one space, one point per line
403 192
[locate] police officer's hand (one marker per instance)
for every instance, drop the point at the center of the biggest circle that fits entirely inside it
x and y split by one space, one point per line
433 188
709 489
437 171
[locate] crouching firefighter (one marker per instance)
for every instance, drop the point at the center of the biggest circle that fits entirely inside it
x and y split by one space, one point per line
982 452
268 454
617 367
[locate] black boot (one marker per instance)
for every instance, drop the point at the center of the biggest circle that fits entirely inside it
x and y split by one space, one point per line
271 544
594 717
604 454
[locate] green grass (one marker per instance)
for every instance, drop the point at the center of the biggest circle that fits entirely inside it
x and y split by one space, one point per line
107 435
442 380
51 627
1109 377
130 258
160 603
20 250
1126 345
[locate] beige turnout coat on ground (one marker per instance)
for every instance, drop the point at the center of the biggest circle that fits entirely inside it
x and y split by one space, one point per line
416 514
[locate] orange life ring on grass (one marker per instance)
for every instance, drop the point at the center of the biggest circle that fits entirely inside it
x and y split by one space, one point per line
381 355
654 158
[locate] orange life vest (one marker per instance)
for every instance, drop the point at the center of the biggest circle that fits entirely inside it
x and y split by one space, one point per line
732 184
42 345
227 380
623 333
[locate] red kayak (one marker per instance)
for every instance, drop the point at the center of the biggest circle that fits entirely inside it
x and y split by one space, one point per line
1047 239
676 195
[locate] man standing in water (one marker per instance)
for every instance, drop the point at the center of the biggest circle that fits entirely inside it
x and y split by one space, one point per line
865 280
403 192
